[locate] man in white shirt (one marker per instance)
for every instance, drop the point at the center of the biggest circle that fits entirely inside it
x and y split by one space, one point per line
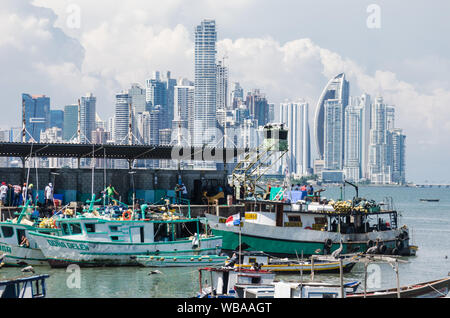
183 191
3 193
48 194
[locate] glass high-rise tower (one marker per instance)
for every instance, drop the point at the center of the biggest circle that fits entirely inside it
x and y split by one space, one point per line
338 88
205 83
37 115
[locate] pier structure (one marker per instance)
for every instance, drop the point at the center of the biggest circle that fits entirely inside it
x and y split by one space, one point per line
148 185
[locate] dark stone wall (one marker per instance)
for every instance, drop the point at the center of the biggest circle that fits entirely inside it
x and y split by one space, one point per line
77 182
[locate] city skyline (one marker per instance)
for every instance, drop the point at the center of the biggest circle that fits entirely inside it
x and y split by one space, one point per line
420 110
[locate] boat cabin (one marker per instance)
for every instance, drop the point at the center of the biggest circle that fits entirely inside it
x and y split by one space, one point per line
128 231
221 282
13 234
318 217
291 290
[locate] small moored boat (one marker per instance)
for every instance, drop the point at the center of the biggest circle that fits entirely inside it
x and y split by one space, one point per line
24 287
180 261
434 289
289 266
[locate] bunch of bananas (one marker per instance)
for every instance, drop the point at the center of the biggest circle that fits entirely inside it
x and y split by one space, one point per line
341 206
69 212
169 216
47 223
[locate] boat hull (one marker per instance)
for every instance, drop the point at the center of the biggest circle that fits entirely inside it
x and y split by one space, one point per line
292 242
14 255
307 268
60 251
435 289
181 261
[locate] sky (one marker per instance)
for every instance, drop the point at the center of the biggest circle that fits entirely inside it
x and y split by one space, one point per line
287 48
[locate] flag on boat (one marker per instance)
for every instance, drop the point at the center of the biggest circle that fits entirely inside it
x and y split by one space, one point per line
233 220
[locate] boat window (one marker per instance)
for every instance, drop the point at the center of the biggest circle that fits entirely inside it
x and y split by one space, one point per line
114 228
256 280
142 234
8 231
294 218
90 227
114 238
75 228
65 229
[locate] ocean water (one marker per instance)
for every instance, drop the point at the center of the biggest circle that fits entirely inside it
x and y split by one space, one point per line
429 224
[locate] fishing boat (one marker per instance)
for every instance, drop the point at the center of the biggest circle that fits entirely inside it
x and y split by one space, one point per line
24 287
433 289
264 261
281 289
91 240
287 229
429 200
228 282
220 282
17 247
181 260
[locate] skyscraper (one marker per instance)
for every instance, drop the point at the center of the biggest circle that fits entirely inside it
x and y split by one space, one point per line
258 106
87 114
222 86
366 104
379 168
70 122
398 156
170 103
138 98
205 83
336 89
37 115
57 118
123 101
237 95
295 116
183 108
353 142
333 151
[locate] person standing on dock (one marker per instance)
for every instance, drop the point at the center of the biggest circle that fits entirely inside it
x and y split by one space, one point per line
48 194
178 191
27 193
183 191
3 193
17 194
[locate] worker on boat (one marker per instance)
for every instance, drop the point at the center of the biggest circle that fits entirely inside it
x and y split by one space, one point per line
24 242
304 192
310 189
110 191
233 260
3 193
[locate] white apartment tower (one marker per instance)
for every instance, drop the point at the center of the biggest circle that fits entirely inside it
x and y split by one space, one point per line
205 83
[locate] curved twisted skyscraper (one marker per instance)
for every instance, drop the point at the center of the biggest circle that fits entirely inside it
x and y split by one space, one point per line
337 89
